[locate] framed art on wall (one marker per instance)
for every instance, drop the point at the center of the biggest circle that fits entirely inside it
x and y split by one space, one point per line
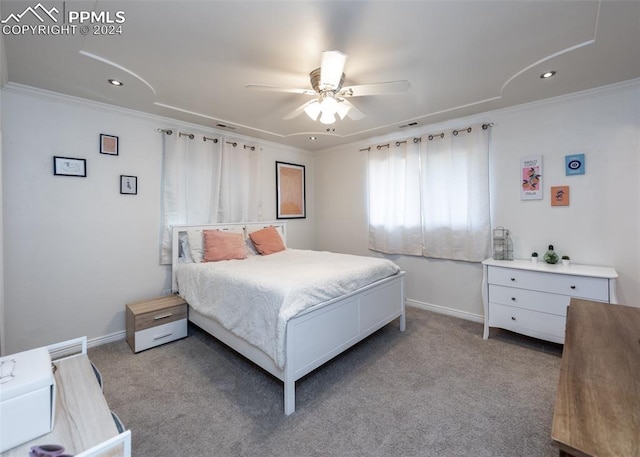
559 195
69 166
290 191
574 164
109 144
531 178
128 185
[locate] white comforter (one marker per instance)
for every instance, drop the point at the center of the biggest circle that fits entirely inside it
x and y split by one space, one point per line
255 297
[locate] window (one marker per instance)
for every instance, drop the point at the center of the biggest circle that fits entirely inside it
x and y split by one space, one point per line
431 197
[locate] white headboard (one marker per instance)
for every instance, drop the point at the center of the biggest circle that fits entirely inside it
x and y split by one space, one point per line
244 227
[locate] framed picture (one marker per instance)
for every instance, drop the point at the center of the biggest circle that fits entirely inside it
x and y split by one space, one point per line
128 185
69 166
109 144
574 164
560 196
290 191
531 178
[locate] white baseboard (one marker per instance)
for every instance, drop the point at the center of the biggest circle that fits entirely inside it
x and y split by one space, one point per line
99 341
444 310
119 336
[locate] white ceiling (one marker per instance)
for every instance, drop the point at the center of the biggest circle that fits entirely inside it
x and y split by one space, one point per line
191 60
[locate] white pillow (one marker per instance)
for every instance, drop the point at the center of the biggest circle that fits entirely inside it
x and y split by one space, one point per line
196 247
185 254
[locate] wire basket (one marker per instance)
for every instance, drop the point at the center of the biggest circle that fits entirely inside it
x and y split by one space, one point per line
502 244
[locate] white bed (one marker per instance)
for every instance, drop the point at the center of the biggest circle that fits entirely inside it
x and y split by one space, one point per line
315 328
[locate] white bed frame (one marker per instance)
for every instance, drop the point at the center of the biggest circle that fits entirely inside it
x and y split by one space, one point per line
318 334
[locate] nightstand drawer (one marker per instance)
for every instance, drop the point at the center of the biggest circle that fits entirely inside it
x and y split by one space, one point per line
159 317
160 334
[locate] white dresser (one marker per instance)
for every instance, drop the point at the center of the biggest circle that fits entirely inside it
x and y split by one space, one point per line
532 298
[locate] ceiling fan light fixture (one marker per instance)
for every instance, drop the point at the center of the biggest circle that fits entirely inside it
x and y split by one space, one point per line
327 117
313 110
329 103
342 109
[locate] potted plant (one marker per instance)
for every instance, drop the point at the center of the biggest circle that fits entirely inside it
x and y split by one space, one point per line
566 260
534 257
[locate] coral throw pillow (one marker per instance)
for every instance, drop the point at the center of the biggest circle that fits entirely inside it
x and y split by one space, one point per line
267 240
219 245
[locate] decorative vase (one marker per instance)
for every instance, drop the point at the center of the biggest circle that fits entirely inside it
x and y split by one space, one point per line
534 259
566 262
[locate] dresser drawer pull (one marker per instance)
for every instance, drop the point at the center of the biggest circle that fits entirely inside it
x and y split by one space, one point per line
159 337
513 279
513 318
513 298
573 287
162 316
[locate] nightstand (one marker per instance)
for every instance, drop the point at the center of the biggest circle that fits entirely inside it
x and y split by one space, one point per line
156 321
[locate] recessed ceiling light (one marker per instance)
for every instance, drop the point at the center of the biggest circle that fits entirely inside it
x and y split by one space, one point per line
547 74
115 82
313 138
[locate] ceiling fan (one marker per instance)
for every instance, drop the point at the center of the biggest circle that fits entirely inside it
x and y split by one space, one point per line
330 97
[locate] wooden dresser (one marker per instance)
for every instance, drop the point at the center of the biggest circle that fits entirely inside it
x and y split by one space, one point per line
597 411
532 298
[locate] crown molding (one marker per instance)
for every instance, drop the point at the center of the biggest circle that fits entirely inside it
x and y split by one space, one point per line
163 121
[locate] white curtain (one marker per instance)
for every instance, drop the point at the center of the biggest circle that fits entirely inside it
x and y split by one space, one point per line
206 182
240 184
455 195
191 171
431 197
394 199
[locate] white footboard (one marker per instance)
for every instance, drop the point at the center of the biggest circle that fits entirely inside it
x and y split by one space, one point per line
317 336
322 332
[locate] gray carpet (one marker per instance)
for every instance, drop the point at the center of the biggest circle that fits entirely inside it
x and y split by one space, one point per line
437 389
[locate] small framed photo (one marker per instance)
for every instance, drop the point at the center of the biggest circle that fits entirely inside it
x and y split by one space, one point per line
290 191
128 185
109 144
559 195
574 164
69 166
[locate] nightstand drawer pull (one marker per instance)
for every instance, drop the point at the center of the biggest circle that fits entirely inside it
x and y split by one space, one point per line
162 316
159 337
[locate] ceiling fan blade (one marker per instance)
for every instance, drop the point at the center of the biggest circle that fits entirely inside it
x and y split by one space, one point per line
353 113
391 87
298 111
331 69
289 90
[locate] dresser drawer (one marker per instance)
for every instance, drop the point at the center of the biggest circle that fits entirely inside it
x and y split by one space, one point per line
546 326
570 285
529 299
160 334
